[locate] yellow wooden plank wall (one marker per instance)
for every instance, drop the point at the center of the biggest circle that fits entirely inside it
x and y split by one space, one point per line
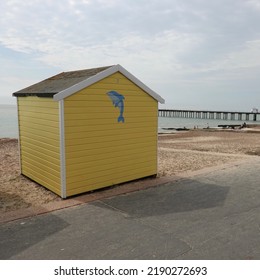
100 151
39 140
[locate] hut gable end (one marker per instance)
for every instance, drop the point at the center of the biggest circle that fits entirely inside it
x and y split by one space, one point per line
101 150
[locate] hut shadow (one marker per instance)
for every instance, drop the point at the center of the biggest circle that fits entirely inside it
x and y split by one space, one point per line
20 235
183 196
10 201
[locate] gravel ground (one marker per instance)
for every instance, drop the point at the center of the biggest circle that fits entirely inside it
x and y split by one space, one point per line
178 153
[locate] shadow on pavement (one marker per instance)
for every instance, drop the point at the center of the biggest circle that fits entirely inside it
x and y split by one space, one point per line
182 196
12 235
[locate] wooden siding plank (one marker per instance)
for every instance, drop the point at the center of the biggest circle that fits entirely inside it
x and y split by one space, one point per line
118 87
113 115
27 130
40 122
108 148
96 136
119 133
46 157
106 181
39 168
41 146
146 121
35 127
95 109
40 115
42 180
106 107
104 147
90 155
130 96
44 103
51 111
94 101
92 166
39 140
87 127
109 174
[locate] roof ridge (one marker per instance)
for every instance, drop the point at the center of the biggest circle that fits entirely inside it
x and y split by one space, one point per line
88 69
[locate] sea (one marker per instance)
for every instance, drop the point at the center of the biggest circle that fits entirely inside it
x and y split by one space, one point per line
9 122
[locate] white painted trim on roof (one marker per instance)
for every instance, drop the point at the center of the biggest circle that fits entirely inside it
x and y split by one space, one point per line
101 75
62 150
140 84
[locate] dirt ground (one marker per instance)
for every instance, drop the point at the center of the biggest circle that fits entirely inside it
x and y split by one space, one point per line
178 153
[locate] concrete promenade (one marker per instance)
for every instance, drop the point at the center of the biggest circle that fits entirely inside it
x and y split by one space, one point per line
215 215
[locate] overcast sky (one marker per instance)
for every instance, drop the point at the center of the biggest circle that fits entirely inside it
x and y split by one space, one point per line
197 54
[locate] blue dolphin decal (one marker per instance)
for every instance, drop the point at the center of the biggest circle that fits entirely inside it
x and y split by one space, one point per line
118 101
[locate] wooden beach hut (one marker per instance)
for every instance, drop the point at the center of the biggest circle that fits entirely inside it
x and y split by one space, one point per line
88 129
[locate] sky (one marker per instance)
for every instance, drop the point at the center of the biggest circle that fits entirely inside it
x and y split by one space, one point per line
196 54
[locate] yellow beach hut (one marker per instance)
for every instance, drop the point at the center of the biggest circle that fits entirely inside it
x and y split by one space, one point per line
88 129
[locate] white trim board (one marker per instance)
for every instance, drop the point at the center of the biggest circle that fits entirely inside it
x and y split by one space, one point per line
19 138
62 150
101 75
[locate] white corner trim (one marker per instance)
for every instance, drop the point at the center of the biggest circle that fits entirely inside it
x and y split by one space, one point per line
19 138
157 142
101 75
62 150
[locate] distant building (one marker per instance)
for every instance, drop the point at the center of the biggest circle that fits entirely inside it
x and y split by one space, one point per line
254 110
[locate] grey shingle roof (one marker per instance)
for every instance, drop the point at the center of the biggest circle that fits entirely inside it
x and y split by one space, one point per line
67 83
57 83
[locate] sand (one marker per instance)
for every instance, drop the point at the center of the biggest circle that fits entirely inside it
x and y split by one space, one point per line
17 191
177 153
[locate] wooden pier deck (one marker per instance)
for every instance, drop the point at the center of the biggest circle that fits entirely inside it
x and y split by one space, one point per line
217 115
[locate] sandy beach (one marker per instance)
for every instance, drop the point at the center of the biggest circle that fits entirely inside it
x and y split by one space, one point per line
178 153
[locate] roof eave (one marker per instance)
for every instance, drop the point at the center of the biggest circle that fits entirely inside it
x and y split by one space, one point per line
101 75
39 94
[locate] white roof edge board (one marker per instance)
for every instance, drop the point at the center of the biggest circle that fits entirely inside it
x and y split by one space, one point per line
101 75
140 84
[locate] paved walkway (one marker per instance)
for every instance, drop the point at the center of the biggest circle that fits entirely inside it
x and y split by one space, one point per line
208 216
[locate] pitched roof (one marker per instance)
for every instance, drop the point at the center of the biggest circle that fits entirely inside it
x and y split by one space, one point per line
66 83
57 83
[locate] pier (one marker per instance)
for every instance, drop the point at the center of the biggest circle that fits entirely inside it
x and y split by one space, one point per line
217 115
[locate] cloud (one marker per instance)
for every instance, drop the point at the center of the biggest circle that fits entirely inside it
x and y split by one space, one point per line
255 4
182 34
167 43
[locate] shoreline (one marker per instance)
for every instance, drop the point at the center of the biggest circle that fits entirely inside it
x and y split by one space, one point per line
255 128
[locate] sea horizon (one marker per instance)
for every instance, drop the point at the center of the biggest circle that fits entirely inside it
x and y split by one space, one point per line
9 122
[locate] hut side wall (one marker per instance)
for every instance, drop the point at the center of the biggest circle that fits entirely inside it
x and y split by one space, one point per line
100 151
39 140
